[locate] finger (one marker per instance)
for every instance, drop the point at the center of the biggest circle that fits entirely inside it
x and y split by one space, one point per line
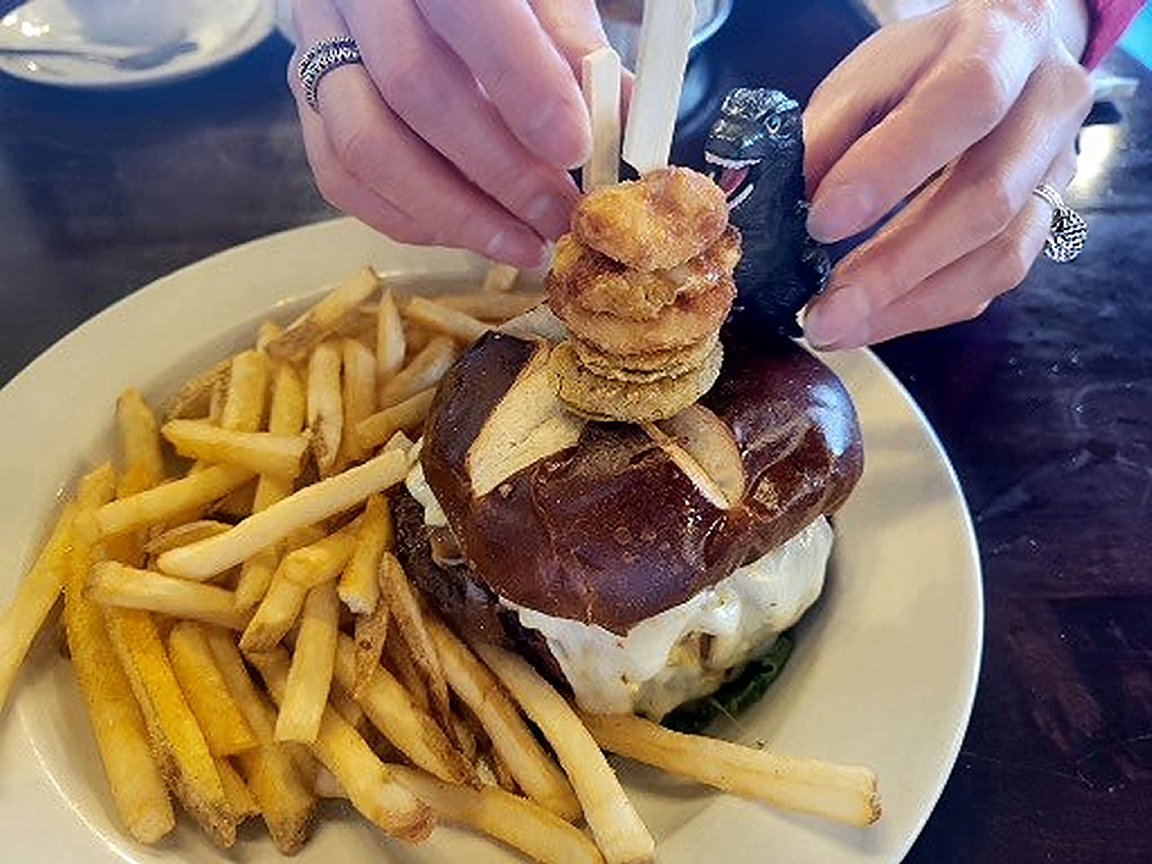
415 72
522 72
853 97
979 78
376 148
972 203
576 29
574 26
963 289
342 190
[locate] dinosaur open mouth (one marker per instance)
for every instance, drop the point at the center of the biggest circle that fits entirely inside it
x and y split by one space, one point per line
734 176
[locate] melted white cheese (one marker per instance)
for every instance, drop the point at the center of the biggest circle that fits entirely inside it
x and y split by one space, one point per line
419 489
658 664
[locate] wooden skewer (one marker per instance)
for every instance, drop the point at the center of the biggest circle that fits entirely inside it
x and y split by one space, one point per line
601 84
665 37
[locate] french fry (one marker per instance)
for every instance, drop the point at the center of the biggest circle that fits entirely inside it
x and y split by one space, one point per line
492 307
440 319
425 370
390 707
390 342
111 583
600 81
309 505
321 561
163 502
534 771
134 778
500 277
34 599
359 586
405 608
240 797
359 365
182 535
370 786
619 833
185 757
370 634
344 705
275 615
286 803
192 397
299 571
216 402
265 333
247 389
224 726
261 452
519 822
139 443
286 416
321 320
310 674
416 339
842 793
325 405
380 427
398 659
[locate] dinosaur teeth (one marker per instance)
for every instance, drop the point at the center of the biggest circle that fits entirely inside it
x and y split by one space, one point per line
713 159
733 203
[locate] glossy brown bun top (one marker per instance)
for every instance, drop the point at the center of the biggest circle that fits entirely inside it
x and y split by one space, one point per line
611 532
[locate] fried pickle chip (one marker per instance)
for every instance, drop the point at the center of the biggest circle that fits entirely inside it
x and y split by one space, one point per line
640 368
610 399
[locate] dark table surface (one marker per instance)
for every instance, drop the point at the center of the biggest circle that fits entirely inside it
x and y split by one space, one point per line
1044 403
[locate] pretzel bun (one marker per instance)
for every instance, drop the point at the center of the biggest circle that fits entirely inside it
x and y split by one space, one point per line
606 527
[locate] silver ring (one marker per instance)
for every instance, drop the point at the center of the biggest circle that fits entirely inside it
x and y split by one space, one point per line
322 58
1067 231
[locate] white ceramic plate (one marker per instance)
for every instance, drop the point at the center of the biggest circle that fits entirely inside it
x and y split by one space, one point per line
221 30
883 673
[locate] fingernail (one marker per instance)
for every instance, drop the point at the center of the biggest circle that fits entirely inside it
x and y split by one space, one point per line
549 214
838 320
840 212
517 247
559 135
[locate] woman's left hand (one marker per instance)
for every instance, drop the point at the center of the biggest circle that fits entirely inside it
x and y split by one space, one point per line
963 112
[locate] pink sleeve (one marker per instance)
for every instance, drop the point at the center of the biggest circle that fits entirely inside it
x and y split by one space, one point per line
1109 19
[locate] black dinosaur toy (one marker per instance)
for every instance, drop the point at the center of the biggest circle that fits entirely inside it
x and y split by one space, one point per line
755 151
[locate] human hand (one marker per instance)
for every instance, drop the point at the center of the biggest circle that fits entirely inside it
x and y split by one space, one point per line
967 110
458 127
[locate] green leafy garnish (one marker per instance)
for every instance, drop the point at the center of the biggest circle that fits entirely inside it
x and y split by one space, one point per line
735 696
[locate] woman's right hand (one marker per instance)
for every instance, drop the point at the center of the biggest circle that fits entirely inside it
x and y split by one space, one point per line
458 128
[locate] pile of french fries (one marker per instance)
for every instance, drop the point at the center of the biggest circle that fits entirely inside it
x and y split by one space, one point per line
247 643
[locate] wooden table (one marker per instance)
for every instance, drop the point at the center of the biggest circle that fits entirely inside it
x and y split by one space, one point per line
1044 403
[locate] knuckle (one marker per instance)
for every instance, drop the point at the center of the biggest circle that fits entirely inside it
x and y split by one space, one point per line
1076 88
404 84
997 204
987 97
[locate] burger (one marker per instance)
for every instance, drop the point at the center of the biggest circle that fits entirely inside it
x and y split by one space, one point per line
640 566
616 490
